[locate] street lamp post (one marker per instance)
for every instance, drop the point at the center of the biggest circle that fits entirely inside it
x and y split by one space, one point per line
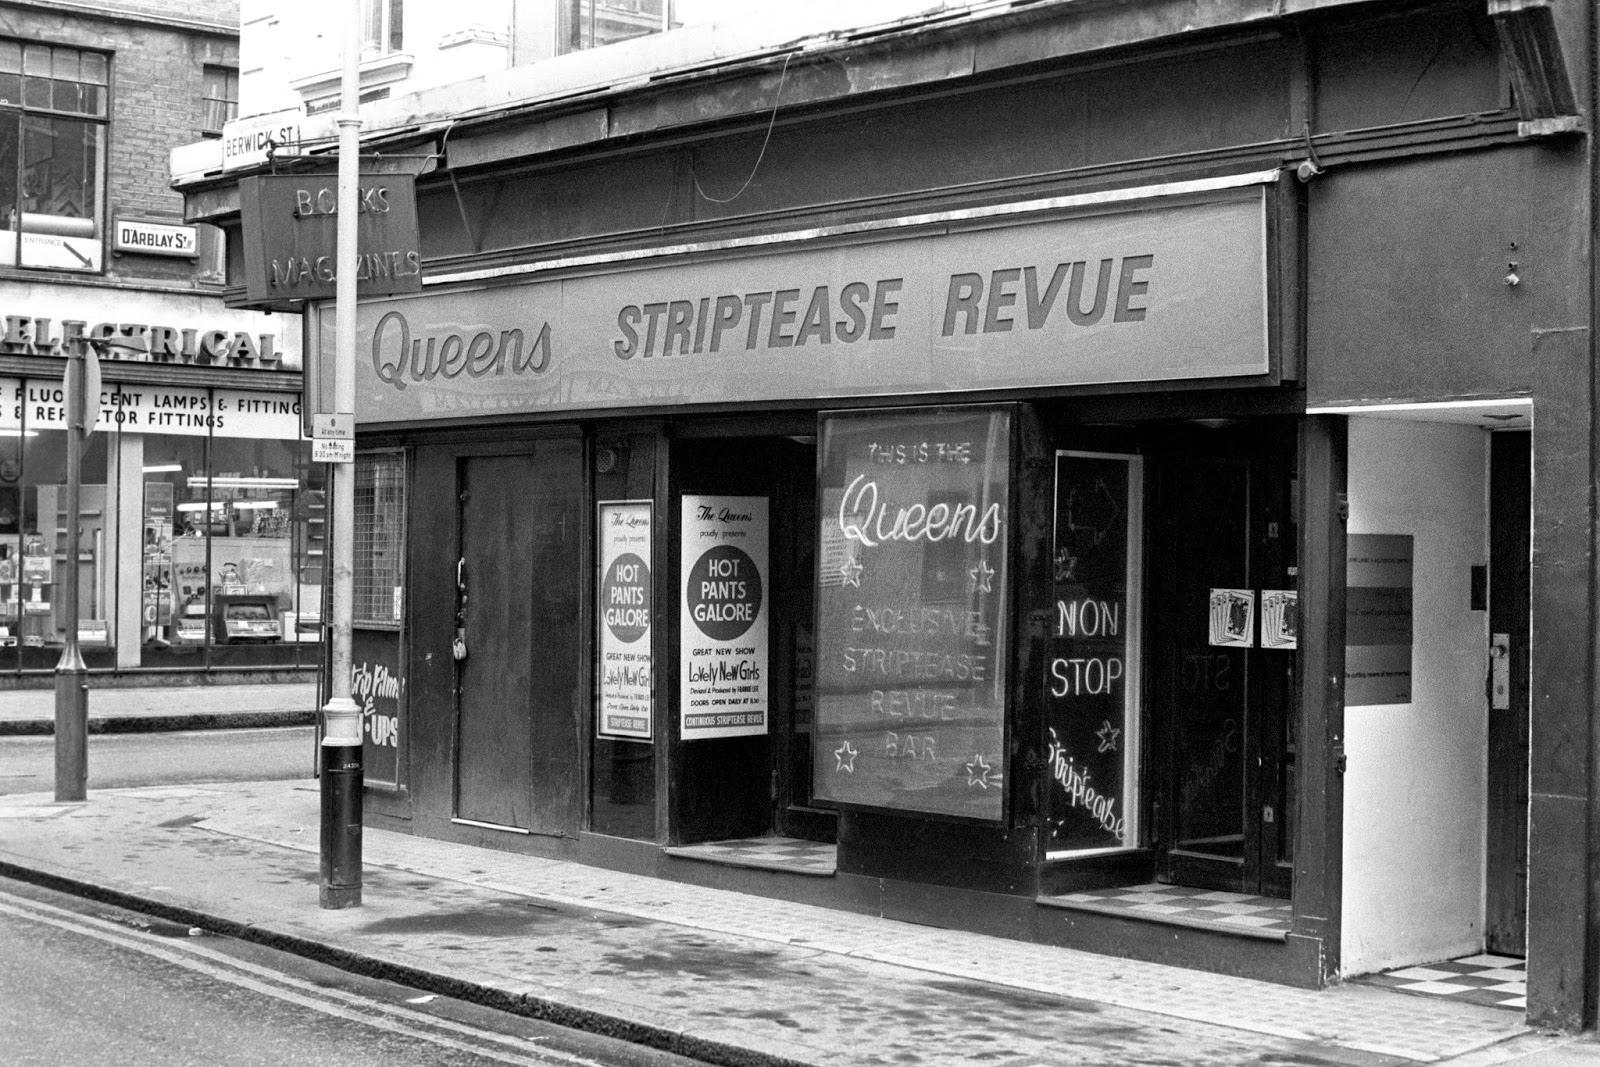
342 777
72 687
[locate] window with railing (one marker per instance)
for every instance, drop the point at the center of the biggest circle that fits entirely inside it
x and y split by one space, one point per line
596 23
219 90
53 111
379 538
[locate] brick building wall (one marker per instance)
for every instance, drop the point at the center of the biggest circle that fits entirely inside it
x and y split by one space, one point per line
158 50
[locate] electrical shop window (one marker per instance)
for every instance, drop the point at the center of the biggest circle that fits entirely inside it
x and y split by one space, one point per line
380 505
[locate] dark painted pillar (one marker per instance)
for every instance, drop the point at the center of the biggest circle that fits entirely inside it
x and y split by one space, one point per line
1562 814
1319 849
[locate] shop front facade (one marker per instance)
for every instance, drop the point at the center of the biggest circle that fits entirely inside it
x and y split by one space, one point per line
200 504
1023 489
200 533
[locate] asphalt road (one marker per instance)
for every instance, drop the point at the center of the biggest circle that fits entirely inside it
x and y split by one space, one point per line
86 983
27 764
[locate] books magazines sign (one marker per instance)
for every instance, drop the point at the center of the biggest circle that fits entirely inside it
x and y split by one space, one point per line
624 621
723 633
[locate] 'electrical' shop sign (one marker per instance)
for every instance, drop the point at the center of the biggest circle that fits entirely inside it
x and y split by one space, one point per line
290 224
1159 289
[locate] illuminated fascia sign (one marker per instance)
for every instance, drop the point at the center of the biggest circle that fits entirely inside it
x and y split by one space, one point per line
142 342
290 224
1161 288
155 238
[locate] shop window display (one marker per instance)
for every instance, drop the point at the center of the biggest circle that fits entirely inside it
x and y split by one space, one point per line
195 550
35 551
239 567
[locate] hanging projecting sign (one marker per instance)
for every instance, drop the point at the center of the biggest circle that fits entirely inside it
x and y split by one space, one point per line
623 617
723 631
290 226
1158 290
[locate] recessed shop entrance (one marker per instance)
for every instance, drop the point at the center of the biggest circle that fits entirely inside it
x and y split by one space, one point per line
1221 693
744 519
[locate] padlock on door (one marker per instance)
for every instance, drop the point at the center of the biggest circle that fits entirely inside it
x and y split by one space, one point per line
458 644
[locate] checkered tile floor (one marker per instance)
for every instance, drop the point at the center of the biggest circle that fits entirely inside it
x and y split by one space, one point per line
1497 981
770 853
1241 913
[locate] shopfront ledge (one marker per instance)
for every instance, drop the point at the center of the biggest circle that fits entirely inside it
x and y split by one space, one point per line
790 855
154 678
1239 915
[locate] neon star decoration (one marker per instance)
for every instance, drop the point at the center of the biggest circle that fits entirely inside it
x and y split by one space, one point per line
982 576
851 570
846 755
980 774
1066 566
1108 735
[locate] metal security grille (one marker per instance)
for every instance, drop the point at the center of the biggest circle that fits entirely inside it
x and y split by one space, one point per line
379 538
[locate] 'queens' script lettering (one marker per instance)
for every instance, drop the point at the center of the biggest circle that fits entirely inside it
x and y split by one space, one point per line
865 518
401 360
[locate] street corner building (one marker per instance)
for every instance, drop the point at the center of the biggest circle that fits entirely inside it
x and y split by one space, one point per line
1114 475
197 547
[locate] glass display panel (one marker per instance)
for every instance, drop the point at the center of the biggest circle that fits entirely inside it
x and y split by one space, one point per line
1092 661
911 606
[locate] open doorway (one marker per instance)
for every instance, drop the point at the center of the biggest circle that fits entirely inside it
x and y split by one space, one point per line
753 778
1221 696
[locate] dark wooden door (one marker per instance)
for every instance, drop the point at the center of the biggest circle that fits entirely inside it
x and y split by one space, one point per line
1220 704
517 758
1505 905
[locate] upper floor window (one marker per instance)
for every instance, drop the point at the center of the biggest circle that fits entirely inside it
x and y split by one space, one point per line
220 90
381 26
594 23
53 110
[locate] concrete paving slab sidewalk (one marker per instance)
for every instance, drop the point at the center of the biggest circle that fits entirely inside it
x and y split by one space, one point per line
727 978
31 712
